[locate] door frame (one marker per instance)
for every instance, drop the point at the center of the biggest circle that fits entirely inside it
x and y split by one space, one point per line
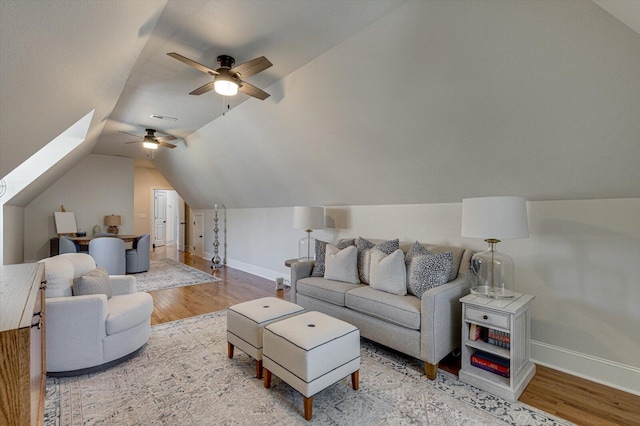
195 232
153 210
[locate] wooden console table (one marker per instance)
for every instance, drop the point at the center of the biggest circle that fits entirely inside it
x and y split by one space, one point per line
22 344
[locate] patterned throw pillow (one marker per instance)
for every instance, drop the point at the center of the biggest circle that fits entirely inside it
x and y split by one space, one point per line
364 246
416 249
340 265
388 272
93 282
321 248
428 271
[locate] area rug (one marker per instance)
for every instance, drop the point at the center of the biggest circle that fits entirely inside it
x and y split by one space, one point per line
183 377
167 273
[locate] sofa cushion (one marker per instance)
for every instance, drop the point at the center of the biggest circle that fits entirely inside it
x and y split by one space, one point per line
340 265
428 271
93 282
324 289
364 256
128 311
321 247
388 272
400 310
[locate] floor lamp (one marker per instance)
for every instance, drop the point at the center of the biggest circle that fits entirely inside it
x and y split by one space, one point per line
493 219
307 218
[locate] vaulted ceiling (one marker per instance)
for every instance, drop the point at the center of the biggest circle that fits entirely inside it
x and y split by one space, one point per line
372 102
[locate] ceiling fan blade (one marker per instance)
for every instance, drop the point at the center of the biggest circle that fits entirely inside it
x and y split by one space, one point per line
193 64
130 134
166 138
126 143
251 67
166 145
251 90
203 89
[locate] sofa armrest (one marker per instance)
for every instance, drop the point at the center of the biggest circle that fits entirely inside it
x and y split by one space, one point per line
299 270
123 284
75 325
441 319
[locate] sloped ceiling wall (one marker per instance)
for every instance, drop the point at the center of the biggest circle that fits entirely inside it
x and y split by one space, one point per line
435 102
58 62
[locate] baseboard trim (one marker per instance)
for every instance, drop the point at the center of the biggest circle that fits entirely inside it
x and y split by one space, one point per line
255 270
609 373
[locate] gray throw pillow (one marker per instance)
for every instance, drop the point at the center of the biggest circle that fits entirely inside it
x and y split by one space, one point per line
321 247
364 246
93 282
428 271
416 249
340 265
388 272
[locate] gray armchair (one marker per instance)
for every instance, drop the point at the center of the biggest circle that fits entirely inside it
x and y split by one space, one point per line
109 253
138 256
67 245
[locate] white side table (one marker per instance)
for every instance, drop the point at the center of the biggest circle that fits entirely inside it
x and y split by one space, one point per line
510 316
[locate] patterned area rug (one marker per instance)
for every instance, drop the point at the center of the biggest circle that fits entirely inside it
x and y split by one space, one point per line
167 273
183 377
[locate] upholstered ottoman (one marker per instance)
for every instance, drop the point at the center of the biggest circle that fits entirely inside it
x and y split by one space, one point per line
245 322
310 352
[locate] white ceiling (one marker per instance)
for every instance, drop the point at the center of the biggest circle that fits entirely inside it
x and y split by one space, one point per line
373 102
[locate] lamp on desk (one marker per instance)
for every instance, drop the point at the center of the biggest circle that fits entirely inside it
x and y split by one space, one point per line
307 218
493 219
112 222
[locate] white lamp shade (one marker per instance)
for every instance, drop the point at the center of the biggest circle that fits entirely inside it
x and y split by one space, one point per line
495 217
225 87
308 217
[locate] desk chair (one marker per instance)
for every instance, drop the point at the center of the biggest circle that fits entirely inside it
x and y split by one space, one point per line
109 253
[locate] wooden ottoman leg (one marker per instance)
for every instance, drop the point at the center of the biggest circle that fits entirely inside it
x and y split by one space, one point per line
308 407
267 378
229 350
355 380
259 369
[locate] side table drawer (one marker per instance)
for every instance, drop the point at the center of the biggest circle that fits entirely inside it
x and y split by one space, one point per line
493 319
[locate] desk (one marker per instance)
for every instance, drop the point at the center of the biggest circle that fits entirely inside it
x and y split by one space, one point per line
54 243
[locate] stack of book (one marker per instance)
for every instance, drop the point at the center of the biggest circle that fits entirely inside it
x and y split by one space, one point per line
489 335
489 362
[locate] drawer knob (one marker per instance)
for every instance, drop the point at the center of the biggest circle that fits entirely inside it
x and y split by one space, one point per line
485 317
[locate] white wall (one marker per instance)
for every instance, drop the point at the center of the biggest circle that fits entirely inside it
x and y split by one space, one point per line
146 179
99 185
580 261
12 234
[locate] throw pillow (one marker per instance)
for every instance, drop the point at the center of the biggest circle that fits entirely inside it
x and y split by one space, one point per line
388 272
416 249
321 247
428 271
93 282
340 265
364 258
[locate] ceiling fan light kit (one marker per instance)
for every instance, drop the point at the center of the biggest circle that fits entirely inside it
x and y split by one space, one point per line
151 141
150 145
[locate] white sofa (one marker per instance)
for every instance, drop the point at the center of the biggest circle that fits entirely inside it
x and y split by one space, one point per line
426 328
90 333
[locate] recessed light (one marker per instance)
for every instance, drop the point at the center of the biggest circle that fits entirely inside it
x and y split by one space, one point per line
163 117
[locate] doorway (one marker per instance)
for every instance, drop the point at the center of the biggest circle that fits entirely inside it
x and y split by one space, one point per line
198 234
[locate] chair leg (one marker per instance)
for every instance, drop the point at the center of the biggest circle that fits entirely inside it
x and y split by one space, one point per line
267 378
308 407
355 380
430 370
229 350
259 369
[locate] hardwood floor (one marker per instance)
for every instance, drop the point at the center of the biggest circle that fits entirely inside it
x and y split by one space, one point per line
578 400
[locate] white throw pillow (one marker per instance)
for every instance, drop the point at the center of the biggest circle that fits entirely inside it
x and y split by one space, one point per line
388 272
341 265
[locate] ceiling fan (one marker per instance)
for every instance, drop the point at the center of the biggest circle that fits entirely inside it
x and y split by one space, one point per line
151 141
227 81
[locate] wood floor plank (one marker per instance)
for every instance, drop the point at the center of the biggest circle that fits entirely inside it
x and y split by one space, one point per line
569 397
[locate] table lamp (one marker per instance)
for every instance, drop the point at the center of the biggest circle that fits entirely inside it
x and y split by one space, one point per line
307 218
112 222
493 219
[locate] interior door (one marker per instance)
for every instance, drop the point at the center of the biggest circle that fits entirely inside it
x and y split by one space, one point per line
198 234
182 225
160 218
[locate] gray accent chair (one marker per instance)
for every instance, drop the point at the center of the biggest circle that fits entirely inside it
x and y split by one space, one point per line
92 332
138 256
67 245
109 253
